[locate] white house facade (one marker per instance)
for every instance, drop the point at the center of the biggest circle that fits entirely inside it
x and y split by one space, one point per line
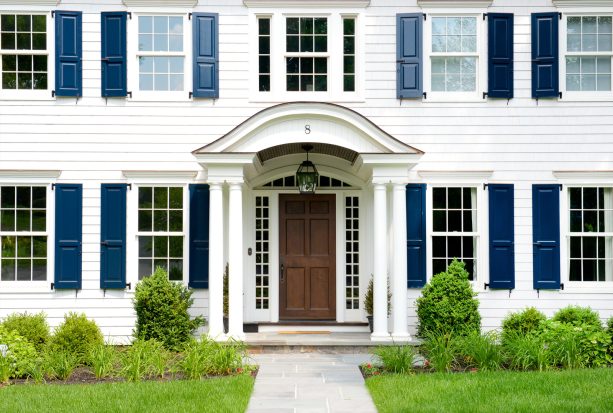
144 133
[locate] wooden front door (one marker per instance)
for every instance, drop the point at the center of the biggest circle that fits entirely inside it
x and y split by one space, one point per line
307 257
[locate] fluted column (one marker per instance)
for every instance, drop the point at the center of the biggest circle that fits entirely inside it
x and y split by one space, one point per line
216 265
380 330
235 259
400 330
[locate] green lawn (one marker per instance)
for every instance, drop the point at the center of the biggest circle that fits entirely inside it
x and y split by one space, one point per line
553 391
219 395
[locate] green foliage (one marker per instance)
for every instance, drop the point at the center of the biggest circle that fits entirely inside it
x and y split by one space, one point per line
144 359
59 364
481 351
76 335
162 311
577 316
441 350
610 325
448 304
37 370
368 298
396 359
17 356
103 358
208 357
5 369
527 352
32 327
522 323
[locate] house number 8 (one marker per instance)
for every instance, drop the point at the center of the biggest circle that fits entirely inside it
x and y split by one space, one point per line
307 129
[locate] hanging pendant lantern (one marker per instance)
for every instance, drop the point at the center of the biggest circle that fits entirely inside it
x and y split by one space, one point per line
307 175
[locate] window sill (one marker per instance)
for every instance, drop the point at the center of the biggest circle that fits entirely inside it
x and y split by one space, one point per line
26 95
160 97
449 97
586 97
266 97
592 288
26 287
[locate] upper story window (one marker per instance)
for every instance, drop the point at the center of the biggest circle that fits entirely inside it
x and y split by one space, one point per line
306 57
23 233
24 52
588 53
161 56
591 234
454 66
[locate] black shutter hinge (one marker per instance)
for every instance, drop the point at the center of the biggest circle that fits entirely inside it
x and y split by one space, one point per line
129 15
560 95
425 95
129 285
484 187
485 94
560 16
129 94
485 286
191 94
52 16
129 186
53 189
425 17
52 286
560 186
484 16
561 286
189 16
53 93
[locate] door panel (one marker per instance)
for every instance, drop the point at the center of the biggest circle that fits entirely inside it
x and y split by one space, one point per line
307 256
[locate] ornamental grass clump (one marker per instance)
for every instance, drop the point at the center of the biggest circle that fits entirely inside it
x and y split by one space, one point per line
60 364
441 350
207 357
481 351
448 304
527 352
396 359
103 359
144 359
162 311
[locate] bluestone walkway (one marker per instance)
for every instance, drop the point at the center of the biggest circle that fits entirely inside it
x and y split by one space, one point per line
310 382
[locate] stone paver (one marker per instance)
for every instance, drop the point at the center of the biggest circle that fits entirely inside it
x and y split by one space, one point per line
310 382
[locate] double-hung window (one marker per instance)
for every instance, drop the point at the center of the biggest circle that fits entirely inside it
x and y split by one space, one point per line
161 231
306 54
590 236
455 59
159 44
23 233
454 228
588 50
24 53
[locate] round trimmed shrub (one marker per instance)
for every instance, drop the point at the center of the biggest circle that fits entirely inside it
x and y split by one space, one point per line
578 316
17 356
76 336
32 327
161 311
448 304
522 323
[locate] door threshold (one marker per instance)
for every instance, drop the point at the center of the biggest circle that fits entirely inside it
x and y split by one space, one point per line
311 326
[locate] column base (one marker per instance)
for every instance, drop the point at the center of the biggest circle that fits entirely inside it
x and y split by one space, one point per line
401 337
380 337
236 336
219 337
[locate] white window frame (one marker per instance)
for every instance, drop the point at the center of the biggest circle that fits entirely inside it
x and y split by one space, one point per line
278 92
565 234
481 250
481 55
132 232
133 54
36 286
592 96
40 94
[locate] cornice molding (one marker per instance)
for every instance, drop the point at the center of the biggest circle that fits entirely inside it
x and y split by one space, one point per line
307 3
29 173
582 3
584 175
456 174
454 3
160 3
159 174
30 2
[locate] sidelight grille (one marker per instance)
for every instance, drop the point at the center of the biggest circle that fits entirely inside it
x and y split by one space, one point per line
262 252
352 253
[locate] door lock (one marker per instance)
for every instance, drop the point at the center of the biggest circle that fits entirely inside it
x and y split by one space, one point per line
282 273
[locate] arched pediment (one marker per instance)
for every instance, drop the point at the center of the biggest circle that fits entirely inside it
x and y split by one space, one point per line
296 122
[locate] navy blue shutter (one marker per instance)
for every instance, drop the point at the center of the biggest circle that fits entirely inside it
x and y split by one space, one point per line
113 54
113 236
500 55
416 235
545 82
409 61
68 53
502 236
68 235
546 236
206 55
199 236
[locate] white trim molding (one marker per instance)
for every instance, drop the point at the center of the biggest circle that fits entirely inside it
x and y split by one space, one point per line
29 173
455 3
582 3
160 3
306 3
456 174
31 2
159 174
584 176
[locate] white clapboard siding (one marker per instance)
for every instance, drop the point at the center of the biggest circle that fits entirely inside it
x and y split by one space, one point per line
93 139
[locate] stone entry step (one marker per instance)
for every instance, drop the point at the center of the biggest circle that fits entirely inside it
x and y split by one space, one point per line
313 326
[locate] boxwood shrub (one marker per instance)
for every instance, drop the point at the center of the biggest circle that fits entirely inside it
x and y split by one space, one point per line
32 327
522 322
76 335
577 316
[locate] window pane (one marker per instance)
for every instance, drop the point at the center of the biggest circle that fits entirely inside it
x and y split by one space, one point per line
160 247
439 198
439 223
7 195
144 220
573 42
145 246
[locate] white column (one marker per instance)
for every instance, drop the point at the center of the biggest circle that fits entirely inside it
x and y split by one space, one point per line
380 331
400 330
235 260
216 265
